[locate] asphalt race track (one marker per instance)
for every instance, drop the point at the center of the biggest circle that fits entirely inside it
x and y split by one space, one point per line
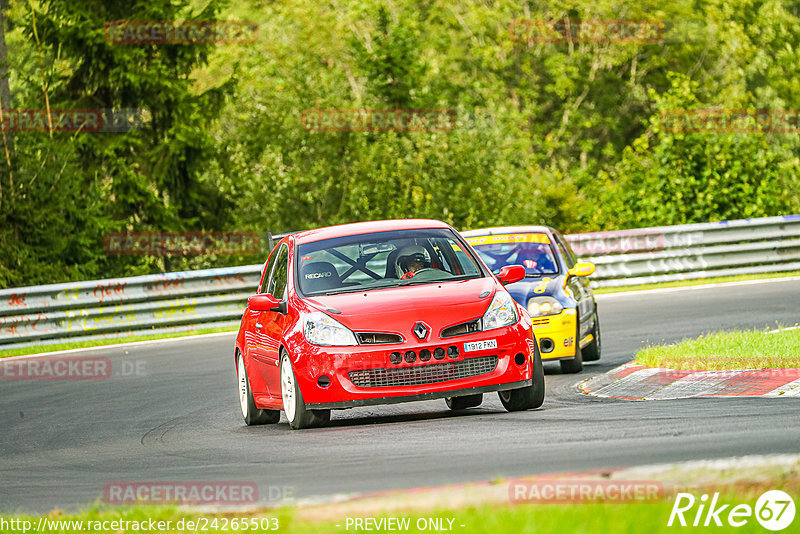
178 419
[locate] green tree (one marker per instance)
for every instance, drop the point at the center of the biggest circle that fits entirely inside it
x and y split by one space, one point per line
70 189
669 177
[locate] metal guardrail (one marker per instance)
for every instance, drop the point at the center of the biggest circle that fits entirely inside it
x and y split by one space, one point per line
174 302
154 304
692 251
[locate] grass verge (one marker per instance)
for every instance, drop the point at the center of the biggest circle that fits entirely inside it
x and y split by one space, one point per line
478 507
595 517
115 341
777 349
698 282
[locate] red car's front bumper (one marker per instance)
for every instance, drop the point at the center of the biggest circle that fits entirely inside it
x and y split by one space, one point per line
364 375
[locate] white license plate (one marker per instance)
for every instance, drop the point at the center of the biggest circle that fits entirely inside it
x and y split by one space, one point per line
486 344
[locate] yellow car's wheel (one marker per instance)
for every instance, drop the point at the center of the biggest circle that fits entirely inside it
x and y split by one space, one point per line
591 353
574 365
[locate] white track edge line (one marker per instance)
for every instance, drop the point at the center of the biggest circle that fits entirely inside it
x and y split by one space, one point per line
118 345
700 286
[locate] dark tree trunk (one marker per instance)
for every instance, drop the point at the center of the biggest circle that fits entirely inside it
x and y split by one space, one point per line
5 91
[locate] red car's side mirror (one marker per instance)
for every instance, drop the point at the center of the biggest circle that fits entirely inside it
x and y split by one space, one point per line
510 274
265 302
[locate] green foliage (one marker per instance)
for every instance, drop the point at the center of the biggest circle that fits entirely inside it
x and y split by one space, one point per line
69 189
667 177
568 133
390 62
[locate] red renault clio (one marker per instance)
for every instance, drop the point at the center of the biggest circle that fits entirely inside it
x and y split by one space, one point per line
378 313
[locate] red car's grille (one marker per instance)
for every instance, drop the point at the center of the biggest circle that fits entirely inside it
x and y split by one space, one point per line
423 374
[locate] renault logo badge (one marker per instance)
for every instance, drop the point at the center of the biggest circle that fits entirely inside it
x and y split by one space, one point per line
421 331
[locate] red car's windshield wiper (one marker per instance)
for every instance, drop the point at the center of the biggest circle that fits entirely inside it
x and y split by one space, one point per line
393 283
355 289
411 281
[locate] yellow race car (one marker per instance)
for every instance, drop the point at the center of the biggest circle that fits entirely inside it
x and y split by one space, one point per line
555 292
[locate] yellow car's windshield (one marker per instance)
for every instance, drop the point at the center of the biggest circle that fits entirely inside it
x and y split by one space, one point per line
533 251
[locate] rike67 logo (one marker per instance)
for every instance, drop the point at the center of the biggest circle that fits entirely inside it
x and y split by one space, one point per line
774 510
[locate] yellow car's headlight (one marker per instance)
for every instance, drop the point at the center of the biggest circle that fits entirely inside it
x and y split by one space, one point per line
541 306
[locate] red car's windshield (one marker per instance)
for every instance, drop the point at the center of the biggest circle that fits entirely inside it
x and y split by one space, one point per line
383 259
534 251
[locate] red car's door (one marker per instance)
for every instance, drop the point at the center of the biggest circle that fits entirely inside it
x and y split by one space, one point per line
256 344
270 324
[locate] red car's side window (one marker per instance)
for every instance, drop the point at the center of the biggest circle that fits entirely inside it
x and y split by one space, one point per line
280 274
276 274
268 270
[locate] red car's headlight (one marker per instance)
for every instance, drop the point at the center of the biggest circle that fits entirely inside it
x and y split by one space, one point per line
501 312
321 329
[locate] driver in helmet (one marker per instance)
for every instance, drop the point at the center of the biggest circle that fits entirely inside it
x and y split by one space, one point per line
413 259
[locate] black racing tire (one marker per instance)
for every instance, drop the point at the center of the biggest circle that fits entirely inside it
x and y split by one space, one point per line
464 402
529 397
591 353
293 404
252 415
574 364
